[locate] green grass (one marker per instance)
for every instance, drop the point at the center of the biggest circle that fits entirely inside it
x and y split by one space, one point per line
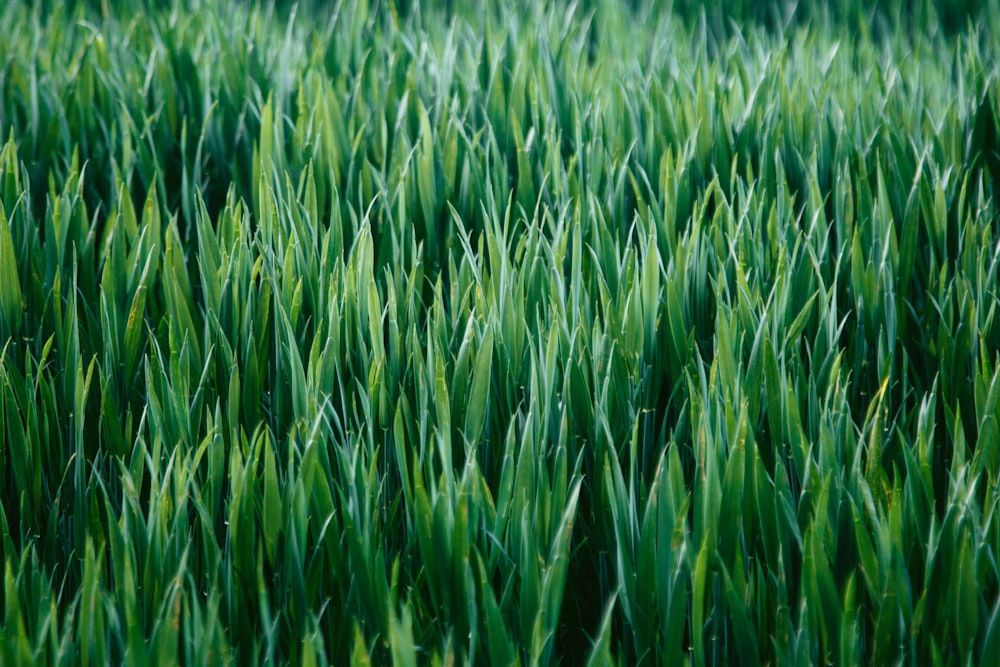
603 333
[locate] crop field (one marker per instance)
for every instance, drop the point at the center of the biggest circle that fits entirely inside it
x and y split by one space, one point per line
431 333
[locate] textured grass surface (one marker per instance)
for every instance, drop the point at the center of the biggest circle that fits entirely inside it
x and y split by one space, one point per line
591 333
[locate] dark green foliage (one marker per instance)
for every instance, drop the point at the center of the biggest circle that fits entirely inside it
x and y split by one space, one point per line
420 332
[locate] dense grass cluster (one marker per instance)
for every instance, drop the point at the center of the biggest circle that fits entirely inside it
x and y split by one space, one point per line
597 332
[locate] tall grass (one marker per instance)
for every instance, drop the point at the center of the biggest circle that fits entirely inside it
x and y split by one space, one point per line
586 333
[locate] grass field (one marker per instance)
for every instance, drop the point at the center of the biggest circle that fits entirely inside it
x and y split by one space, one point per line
495 333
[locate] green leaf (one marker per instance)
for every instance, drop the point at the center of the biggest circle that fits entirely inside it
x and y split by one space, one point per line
273 516
699 601
443 408
479 395
10 282
966 608
600 652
